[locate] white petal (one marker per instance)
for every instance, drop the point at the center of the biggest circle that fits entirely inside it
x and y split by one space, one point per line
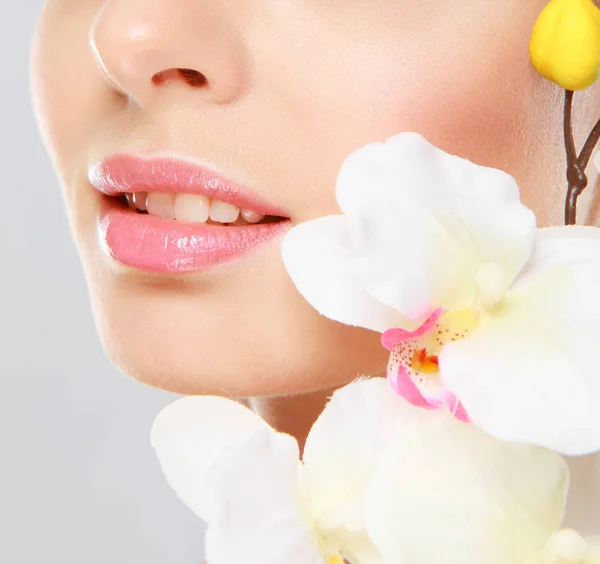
530 373
569 547
346 439
565 547
425 224
260 518
316 254
447 492
190 434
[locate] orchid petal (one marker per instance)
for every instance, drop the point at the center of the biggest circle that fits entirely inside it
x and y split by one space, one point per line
427 226
260 517
565 547
355 427
190 434
530 372
445 491
316 254
569 547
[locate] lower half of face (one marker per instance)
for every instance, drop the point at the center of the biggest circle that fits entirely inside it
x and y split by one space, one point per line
239 330
287 92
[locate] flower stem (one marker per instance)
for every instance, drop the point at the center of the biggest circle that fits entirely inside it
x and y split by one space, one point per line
576 165
590 145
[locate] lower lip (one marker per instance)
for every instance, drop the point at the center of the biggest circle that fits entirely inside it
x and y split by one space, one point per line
161 245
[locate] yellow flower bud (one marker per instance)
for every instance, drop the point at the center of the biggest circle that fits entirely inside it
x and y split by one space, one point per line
565 43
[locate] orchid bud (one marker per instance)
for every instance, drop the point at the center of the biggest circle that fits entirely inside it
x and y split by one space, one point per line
565 43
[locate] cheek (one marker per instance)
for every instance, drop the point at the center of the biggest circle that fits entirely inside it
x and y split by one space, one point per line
470 89
72 103
70 97
486 104
471 97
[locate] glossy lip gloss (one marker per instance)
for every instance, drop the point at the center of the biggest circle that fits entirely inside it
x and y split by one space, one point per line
162 245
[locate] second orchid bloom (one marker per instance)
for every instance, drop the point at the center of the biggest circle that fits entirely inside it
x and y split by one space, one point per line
485 314
380 482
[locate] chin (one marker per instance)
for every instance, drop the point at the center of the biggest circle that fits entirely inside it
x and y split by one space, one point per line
234 340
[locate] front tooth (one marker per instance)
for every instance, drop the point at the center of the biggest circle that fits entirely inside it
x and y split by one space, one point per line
139 200
129 198
223 212
161 204
192 208
252 216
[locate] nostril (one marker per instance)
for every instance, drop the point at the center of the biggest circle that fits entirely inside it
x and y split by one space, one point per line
192 77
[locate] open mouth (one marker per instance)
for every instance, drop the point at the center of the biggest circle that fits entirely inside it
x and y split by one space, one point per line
167 214
193 208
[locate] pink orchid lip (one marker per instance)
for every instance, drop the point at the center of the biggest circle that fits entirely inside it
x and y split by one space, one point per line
127 173
392 337
403 384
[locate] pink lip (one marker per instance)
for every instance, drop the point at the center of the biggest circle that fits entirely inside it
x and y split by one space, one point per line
123 173
162 245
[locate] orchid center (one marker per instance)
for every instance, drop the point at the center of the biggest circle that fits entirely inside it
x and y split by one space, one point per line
335 559
413 368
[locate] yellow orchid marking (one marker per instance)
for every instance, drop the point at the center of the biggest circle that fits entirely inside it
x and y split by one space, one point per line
453 326
335 559
565 43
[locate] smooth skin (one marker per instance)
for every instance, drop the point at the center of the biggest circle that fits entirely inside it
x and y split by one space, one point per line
291 88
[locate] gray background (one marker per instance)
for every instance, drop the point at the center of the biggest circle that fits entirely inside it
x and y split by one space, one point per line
79 482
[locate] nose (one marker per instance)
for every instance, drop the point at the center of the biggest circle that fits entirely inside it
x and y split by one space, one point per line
144 47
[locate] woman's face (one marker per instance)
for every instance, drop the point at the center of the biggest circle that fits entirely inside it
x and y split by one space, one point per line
283 91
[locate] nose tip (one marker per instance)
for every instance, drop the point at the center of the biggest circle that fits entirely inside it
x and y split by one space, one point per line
142 50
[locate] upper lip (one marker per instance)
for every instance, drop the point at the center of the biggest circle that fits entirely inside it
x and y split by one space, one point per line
128 173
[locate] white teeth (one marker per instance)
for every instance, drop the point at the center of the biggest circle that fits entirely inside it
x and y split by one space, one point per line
161 204
252 217
139 199
192 208
222 212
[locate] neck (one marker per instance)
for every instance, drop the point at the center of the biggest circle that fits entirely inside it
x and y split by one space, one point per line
294 414
583 508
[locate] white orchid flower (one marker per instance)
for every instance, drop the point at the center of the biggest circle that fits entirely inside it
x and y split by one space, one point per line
484 314
381 481
446 491
262 505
